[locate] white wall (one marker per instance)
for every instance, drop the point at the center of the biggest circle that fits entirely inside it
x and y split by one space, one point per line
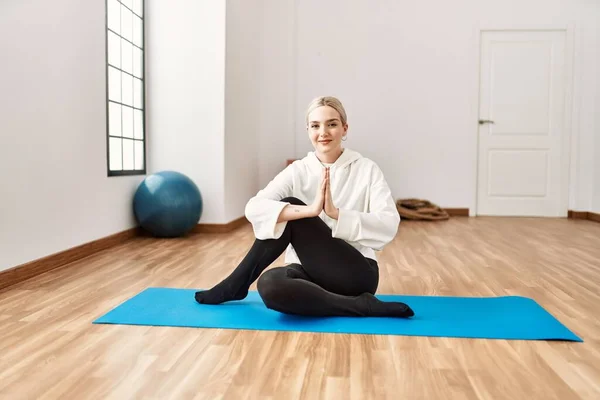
277 113
584 111
407 73
242 104
55 193
203 68
596 194
185 95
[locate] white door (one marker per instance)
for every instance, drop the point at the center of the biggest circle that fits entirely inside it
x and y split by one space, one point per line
522 161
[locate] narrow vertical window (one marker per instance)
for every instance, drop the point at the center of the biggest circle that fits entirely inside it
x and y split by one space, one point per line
126 134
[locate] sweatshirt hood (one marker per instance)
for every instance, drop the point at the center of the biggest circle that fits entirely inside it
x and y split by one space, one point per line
347 157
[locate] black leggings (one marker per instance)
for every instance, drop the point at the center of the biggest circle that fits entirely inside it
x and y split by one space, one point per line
333 279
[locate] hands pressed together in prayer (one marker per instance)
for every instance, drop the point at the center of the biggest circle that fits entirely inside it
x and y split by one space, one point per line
323 200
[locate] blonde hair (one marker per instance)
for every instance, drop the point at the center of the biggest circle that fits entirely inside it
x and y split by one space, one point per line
328 101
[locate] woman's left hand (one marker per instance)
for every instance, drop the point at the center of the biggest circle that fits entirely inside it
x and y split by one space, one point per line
330 209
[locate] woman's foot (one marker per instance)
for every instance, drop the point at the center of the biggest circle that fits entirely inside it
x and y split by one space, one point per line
378 308
220 294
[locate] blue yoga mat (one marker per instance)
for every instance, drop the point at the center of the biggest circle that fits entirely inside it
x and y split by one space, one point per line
511 317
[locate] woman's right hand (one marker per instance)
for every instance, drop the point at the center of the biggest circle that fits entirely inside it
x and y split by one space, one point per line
319 202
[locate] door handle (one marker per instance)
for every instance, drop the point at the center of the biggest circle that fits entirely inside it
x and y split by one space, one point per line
485 121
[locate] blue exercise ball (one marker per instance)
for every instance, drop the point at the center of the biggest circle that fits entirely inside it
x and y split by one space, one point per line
167 204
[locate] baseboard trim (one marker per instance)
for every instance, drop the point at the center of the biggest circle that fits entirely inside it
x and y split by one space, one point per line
37 267
588 215
220 228
577 214
31 269
457 212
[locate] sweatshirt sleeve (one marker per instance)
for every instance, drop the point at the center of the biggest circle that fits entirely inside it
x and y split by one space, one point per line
375 228
264 208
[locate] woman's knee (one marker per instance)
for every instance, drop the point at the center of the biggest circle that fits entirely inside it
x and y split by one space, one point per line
270 287
293 200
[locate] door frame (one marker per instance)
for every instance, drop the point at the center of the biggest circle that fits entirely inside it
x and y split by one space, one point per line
570 128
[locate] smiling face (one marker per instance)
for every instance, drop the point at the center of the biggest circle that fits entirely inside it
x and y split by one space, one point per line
326 130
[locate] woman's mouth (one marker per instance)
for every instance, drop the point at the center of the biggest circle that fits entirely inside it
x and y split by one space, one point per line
324 141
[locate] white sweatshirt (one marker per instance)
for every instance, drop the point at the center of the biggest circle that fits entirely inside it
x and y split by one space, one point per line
368 217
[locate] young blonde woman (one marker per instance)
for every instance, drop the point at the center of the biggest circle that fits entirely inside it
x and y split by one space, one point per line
329 212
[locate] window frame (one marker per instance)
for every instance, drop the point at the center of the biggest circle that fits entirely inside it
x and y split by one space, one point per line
129 172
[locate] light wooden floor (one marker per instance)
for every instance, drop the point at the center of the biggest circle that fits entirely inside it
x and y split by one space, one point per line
50 349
